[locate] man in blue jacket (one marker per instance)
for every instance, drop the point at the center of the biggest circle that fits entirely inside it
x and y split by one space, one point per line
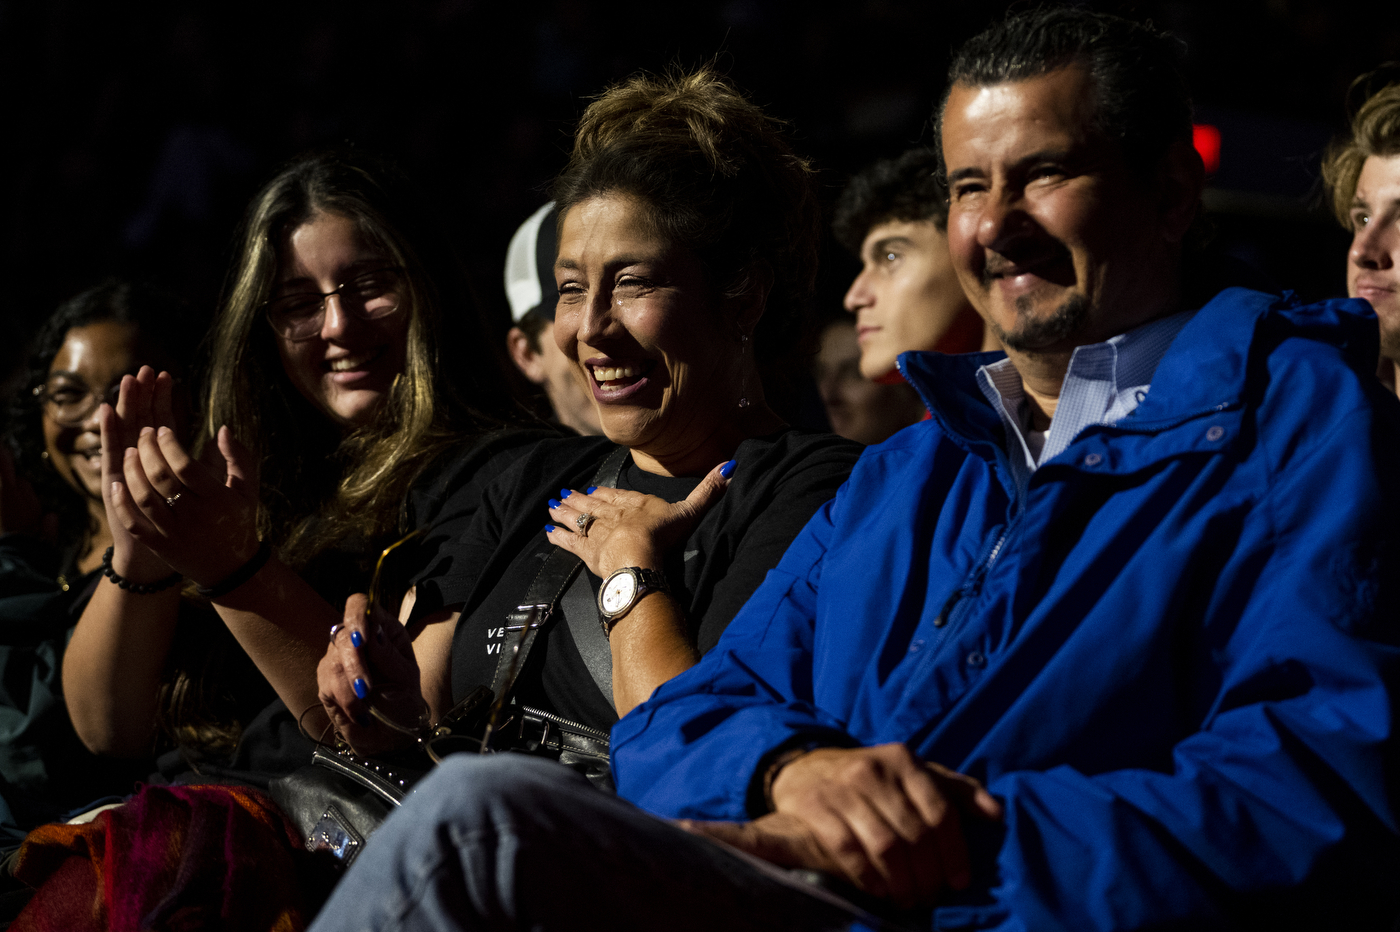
1109 643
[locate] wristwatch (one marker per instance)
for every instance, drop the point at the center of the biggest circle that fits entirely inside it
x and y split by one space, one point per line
624 589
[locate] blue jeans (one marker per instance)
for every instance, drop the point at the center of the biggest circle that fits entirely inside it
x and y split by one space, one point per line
514 842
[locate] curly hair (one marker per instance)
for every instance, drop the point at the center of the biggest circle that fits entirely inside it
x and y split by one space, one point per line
717 176
1374 130
908 187
317 486
165 326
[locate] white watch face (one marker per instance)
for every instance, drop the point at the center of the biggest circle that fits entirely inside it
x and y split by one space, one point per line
618 592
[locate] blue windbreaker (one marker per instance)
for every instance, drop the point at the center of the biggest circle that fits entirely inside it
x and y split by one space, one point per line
1174 662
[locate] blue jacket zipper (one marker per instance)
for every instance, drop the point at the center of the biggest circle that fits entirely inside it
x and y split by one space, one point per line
963 594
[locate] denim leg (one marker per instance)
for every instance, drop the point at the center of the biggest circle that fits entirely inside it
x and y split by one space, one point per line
514 842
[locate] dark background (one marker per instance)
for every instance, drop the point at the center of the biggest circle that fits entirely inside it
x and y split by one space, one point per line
135 133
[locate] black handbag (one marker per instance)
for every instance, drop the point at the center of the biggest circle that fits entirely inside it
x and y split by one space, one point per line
341 797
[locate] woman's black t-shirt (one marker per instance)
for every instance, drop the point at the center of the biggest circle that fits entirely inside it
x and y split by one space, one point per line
778 484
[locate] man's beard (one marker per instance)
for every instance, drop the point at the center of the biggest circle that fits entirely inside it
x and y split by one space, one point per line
1031 335
1390 339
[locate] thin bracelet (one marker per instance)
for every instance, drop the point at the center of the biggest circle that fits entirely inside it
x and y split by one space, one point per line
239 576
137 588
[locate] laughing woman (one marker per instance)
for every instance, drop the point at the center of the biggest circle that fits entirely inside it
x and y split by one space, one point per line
49 566
687 254
325 406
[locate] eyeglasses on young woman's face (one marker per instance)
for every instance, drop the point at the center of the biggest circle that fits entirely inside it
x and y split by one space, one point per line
341 311
86 371
68 401
301 314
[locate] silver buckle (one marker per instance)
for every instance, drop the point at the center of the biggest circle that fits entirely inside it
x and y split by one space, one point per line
530 616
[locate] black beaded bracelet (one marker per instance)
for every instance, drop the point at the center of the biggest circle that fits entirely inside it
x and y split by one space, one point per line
138 588
239 576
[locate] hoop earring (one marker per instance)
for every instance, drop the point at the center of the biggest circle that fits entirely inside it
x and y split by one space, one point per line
744 385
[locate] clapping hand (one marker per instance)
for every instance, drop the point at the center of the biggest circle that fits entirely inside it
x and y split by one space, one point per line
198 517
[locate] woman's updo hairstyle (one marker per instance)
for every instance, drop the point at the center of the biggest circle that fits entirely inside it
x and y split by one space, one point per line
715 174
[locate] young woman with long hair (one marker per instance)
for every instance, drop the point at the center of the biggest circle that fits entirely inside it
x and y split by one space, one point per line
328 396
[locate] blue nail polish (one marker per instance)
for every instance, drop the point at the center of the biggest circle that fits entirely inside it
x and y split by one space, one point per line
727 469
549 529
362 719
361 689
357 639
565 493
553 504
590 490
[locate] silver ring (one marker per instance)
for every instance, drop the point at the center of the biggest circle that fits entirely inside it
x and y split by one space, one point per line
583 522
170 502
335 629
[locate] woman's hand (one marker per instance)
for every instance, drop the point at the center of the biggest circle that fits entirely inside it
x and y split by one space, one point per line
370 667
199 518
121 427
629 528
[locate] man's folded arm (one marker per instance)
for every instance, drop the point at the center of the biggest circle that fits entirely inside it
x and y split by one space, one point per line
696 747
1288 784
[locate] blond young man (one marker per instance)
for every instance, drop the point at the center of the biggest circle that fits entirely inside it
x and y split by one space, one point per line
1362 173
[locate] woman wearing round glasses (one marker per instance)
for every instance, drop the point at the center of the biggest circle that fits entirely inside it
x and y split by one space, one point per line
54 531
326 403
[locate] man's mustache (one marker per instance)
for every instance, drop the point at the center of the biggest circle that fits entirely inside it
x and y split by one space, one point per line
1002 266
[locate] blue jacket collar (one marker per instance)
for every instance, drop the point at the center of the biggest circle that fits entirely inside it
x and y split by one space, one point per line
1203 370
949 389
1203 373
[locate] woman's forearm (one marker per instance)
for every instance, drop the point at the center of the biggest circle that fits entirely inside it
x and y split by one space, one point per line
650 645
432 647
282 623
113 667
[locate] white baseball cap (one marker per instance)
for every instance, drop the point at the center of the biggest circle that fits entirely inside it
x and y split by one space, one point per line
530 265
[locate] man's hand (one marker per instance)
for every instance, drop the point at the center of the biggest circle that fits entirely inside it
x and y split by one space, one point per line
882 818
778 838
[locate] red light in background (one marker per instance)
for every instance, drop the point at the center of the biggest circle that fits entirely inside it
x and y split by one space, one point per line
1206 139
